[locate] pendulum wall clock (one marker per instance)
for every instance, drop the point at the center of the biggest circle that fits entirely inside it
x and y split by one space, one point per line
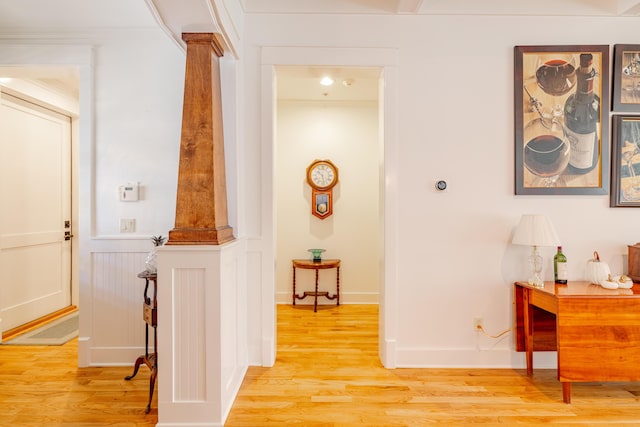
322 176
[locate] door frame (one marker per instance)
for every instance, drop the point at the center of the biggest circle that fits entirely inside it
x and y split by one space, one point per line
82 146
386 60
28 99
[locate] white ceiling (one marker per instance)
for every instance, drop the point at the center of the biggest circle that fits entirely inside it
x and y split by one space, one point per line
69 16
350 84
37 16
32 18
439 7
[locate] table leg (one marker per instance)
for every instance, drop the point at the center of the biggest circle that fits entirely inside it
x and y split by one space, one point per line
315 298
153 361
338 284
146 340
566 392
139 361
294 286
528 330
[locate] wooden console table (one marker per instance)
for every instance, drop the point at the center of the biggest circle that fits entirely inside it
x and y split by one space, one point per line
150 316
317 265
596 331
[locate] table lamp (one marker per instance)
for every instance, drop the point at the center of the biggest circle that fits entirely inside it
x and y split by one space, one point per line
535 230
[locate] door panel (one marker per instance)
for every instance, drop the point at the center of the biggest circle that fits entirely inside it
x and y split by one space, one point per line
35 189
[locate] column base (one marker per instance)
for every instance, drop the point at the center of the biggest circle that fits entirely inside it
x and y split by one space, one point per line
200 236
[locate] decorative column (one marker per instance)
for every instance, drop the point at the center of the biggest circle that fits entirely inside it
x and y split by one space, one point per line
202 337
201 204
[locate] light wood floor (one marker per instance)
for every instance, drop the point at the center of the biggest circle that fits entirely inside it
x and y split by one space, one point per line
42 386
327 373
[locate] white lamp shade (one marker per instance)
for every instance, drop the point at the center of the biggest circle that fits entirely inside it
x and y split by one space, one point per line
535 230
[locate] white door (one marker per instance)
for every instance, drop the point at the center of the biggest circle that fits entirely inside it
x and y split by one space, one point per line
35 203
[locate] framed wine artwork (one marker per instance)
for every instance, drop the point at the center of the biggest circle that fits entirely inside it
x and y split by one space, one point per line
561 111
625 162
626 78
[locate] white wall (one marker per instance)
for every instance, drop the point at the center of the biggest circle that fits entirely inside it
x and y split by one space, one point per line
347 134
129 130
453 260
139 84
455 120
138 105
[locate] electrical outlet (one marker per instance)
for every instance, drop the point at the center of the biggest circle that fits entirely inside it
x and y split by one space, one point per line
477 323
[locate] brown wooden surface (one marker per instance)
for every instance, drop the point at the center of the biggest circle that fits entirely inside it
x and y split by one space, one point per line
327 373
544 338
599 339
316 265
42 386
309 264
201 203
598 330
582 289
633 261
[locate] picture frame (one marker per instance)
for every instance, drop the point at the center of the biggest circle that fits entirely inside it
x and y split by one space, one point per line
556 154
625 161
626 78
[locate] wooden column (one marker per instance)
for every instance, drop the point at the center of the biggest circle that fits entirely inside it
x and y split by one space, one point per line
201 204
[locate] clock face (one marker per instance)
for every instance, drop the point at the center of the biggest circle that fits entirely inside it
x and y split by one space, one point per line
322 174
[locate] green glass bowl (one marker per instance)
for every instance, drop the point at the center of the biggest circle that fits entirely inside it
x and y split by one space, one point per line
316 254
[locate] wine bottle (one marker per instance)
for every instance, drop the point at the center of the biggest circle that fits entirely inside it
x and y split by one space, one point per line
560 267
581 119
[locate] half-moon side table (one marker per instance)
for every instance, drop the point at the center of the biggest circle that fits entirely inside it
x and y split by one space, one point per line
150 316
317 265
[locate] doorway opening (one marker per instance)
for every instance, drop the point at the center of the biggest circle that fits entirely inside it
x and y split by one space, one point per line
384 60
340 122
40 112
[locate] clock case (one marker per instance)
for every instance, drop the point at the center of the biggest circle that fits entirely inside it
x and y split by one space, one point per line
321 197
322 203
314 165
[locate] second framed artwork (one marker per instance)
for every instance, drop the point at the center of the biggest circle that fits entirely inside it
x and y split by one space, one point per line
626 78
625 172
561 119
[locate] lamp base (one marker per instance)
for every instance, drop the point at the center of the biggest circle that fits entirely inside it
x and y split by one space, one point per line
535 263
536 281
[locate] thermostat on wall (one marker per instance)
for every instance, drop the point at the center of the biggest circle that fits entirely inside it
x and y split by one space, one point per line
129 192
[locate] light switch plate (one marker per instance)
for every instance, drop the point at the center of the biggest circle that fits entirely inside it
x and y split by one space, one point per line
127 225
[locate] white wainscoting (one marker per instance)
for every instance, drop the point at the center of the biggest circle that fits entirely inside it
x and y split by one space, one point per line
116 332
203 344
203 321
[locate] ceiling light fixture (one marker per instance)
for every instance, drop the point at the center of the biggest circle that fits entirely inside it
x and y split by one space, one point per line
326 81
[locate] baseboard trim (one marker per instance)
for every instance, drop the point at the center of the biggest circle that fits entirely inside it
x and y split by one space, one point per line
27 327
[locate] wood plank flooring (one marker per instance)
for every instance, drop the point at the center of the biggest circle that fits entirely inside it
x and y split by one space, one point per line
327 373
42 386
